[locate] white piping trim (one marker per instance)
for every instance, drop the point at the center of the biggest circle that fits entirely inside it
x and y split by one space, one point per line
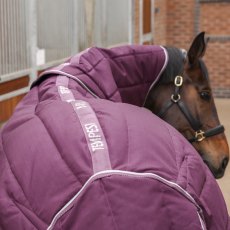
158 76
106 173
70 76
201 222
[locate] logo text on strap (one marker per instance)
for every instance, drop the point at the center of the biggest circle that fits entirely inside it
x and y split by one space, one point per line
94 136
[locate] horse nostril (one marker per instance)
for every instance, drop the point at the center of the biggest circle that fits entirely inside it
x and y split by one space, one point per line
224 163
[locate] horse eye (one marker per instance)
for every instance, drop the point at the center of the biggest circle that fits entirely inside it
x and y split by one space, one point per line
205 95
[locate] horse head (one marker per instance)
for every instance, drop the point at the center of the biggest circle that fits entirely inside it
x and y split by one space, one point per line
183 98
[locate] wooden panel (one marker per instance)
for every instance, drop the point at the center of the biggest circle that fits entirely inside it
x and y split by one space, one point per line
10 86
148 43
7 107
146 16
40 71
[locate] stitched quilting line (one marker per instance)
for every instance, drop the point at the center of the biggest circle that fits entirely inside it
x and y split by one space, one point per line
16 179
133 54
135 85
119 56
165 205
128 141
17 205
87 72
174 144
123 87
108 204
60 152
92 78
172 138
113 93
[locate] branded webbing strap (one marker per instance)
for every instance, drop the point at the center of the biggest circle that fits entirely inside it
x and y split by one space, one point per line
93 132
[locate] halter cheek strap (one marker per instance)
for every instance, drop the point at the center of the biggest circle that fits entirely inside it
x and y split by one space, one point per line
199 135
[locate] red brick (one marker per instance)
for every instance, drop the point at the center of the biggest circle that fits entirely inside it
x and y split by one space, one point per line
175 23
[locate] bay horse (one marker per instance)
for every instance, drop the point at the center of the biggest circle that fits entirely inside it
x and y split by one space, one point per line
183 98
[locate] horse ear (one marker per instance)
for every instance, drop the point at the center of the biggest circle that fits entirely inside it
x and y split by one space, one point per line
197 49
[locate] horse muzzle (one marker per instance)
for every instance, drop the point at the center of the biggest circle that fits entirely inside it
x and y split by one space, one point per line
218 172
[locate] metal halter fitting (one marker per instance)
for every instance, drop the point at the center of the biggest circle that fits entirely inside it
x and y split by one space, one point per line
199 135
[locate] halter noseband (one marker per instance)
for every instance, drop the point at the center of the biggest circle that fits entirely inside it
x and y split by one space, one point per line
200 135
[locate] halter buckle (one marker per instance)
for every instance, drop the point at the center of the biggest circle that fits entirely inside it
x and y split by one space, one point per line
199 135
178 81
175 98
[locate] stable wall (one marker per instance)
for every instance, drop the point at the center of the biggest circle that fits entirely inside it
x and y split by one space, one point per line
177 22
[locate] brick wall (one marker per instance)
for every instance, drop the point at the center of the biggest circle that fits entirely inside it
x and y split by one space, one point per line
215 17
215 20
137 19
160 22
177 22
180 18
174 22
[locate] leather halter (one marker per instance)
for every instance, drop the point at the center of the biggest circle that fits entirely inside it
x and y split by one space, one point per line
200 135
